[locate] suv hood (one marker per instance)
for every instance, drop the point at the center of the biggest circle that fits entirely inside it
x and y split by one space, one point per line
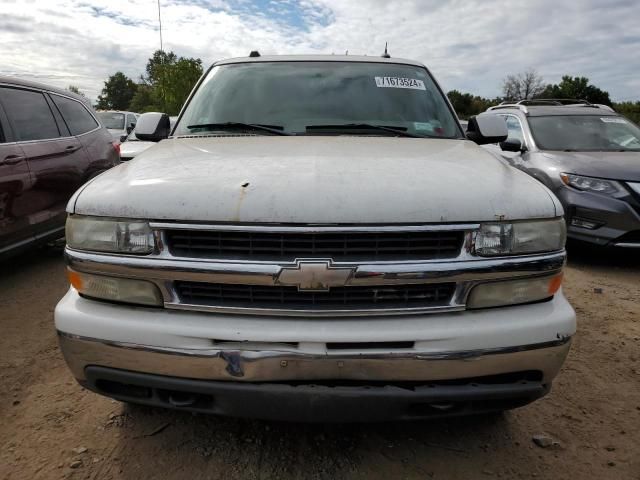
315 179
611 165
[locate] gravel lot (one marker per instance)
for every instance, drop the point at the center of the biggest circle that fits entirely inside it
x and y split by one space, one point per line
51 428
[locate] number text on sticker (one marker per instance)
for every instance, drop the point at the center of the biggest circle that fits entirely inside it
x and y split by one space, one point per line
399 82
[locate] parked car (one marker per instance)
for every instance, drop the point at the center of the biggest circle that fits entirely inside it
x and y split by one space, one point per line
317 241
120 124
133 146
589 156
50 144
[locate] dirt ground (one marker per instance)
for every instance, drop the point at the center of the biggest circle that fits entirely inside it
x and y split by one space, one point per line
52 428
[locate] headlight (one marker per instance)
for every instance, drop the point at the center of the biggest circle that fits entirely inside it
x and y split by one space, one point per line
109 235
115 289
513 292
520 237
590 184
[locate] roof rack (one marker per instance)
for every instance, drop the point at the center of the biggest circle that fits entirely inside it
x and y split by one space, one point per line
502 105
547 102
565 101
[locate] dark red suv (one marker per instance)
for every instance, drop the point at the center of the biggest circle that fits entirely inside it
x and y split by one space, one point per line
51 143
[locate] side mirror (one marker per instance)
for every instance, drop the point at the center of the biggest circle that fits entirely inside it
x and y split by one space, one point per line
512 145
487 128
123 138
153 127
130 129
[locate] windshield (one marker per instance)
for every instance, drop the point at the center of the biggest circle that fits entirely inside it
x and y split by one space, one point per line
585 133
295 95
111 120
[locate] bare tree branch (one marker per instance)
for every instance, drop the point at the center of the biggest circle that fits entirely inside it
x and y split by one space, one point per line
523 86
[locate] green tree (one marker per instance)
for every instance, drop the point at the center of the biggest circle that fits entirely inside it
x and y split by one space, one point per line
631 110
76 90
172 78
576 88
144 100
461 102
117 93
466 105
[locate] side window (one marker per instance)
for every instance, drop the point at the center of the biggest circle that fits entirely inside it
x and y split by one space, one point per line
78 119
30 114
131 119
515 130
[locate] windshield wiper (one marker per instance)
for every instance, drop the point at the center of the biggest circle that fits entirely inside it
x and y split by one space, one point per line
400 131
275 129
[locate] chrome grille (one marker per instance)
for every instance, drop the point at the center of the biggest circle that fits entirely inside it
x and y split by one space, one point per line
287 246
341 298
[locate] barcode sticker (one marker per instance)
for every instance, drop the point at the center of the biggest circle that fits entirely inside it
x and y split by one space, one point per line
399 82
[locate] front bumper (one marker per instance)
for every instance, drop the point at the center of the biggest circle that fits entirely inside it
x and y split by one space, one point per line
315 402
272 365
448 363
619 222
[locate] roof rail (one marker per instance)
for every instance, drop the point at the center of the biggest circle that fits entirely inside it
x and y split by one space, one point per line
503 105
566 101
548 102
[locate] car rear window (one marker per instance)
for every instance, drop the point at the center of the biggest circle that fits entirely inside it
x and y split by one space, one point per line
29 113
112 120
78 119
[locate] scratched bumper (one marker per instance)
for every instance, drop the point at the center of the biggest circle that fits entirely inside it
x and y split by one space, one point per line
283 366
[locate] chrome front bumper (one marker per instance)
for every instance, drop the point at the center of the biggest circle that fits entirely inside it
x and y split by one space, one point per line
274 365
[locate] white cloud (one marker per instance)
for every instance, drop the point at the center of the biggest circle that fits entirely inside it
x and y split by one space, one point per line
468 45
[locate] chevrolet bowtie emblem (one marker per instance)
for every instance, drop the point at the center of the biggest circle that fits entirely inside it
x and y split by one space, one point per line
314 275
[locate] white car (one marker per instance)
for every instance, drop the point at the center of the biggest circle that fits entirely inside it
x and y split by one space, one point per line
133 146
316 241
120 124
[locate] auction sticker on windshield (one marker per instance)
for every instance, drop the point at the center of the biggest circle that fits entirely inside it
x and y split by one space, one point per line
399 82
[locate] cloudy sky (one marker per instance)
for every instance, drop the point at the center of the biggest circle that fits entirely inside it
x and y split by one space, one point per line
468 44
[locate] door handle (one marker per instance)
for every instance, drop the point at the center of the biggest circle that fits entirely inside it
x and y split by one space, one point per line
12 159
71 149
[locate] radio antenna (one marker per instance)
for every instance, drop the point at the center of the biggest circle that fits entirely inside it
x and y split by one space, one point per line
386 53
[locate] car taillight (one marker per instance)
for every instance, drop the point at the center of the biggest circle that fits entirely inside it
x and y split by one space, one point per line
116 147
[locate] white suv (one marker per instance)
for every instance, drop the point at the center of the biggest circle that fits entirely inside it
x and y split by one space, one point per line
120 124
317 241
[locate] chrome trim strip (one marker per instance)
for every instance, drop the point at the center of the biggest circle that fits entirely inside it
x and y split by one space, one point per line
163 271
257 354
35 238
627 245
277 228
153 268
150 268
281 312
295 364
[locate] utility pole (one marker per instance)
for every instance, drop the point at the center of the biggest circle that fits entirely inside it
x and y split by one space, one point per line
162 92
160 24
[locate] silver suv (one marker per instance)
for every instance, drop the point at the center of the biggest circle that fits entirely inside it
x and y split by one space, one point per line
588 155
120 124
316 240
